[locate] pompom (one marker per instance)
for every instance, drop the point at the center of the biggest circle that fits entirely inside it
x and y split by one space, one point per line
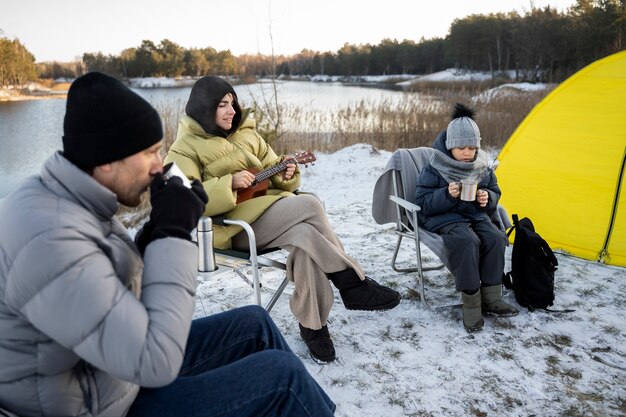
461 110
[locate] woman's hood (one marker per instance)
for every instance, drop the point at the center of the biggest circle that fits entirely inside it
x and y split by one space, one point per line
204 98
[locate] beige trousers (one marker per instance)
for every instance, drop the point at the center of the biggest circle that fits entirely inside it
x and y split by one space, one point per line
299 225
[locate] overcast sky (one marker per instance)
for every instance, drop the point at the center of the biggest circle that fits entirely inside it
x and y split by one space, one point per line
64 30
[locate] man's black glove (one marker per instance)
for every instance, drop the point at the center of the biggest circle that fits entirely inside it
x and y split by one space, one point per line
142 238
176 210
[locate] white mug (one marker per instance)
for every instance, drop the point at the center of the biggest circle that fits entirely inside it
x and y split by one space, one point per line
175 171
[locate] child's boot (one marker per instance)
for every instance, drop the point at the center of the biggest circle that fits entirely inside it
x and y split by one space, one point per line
472 317
492 303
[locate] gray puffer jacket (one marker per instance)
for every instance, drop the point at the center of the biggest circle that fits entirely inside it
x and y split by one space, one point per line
83 323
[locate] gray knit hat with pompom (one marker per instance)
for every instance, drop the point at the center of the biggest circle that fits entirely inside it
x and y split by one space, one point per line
462 130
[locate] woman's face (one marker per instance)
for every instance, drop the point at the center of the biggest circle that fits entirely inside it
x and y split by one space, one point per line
225 112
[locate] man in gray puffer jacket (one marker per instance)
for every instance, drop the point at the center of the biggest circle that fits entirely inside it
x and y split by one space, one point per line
94 324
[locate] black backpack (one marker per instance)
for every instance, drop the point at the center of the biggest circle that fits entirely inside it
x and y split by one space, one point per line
532 267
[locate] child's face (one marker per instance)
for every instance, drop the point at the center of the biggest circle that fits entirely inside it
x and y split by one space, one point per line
465 154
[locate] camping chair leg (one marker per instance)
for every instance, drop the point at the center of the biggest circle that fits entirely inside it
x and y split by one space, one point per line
418 256
254 264
244 277
420 270
394 263
276 295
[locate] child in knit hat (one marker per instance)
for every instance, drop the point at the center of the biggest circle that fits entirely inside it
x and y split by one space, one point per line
475 244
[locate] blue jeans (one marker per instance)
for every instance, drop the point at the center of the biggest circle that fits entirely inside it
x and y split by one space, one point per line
236 364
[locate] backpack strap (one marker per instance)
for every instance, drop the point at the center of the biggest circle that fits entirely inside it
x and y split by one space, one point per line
514 226
507 280
549 310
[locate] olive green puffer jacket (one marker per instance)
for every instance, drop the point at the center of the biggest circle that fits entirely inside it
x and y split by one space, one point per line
212 160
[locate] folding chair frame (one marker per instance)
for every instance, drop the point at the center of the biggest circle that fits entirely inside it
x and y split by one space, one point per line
402 231
256 262
405 230
255 259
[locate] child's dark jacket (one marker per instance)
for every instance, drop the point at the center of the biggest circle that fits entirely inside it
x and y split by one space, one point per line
439 208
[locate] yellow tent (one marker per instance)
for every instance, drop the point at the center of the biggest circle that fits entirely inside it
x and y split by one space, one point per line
564 165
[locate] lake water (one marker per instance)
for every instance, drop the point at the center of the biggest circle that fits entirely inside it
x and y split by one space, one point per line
31 130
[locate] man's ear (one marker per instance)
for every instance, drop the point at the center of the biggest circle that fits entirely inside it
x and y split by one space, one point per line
105 168
102 173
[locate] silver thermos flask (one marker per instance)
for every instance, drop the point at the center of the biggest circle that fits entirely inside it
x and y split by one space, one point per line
206 257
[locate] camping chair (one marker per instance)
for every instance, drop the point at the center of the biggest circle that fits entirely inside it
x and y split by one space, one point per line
213 261
393 193
240 260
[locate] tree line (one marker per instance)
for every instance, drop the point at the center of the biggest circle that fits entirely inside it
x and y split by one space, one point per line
16 63
541 45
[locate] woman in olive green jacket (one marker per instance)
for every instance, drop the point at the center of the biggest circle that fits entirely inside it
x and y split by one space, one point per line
217 143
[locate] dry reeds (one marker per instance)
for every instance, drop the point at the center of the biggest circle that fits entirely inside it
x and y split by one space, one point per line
387 125
409 122
170 115
413 121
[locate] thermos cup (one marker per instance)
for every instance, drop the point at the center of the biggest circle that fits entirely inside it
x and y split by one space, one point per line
468 190
206 256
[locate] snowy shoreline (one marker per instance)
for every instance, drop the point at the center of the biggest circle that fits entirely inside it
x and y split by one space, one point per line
394 81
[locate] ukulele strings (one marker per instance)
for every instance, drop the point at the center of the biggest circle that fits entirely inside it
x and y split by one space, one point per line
262 176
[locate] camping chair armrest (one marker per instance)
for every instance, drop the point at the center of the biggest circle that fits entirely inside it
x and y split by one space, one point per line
219 220
413 208
248 229
298 191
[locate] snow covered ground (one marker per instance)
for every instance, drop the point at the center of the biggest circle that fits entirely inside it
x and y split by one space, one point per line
412 361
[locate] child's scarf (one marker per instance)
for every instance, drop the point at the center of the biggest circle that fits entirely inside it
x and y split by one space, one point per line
454 171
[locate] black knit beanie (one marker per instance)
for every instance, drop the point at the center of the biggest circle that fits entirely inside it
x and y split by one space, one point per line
106 121
204 98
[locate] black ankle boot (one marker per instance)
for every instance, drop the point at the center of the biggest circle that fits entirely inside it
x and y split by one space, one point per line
363 295
319 343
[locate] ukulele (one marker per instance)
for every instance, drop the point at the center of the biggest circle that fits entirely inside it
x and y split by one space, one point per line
261 178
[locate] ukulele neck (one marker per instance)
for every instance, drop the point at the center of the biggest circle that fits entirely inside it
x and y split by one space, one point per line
263 175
